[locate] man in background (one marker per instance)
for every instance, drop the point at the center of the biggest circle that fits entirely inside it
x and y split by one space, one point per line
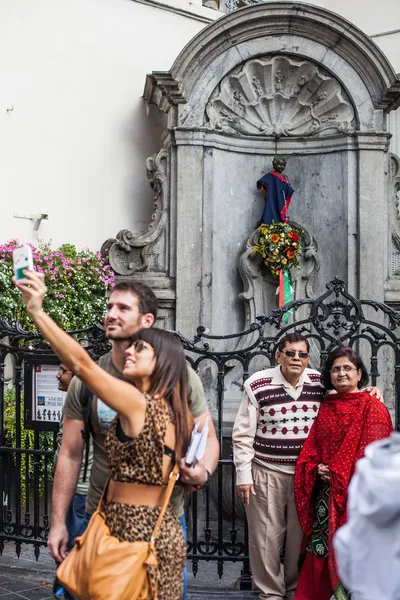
76 518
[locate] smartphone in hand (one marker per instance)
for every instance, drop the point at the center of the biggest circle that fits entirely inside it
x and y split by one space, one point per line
23 260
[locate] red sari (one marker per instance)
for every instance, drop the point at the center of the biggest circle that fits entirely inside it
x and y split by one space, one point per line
345 425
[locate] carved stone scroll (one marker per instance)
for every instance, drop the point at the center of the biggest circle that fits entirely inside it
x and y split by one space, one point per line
394 216
281 96
129 253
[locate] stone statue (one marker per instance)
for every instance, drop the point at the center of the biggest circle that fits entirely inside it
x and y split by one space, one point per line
278 192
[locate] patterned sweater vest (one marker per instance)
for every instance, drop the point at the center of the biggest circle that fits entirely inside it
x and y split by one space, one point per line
284 423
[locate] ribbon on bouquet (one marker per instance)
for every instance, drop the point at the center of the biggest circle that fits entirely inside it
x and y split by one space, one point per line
285 292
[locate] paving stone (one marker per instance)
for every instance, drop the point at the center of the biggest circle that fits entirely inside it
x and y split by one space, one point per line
20 578
4 594
36 593
18 585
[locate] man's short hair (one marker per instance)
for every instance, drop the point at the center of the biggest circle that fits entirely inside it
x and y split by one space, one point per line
292 338
148 302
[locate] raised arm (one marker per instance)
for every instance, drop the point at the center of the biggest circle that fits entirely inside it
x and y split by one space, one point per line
122 397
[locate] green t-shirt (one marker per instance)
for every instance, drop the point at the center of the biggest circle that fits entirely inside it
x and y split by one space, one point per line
101 417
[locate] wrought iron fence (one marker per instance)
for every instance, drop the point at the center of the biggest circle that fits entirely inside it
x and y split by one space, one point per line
26 455
217 528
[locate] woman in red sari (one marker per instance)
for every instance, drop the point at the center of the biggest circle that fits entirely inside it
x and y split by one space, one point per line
347 422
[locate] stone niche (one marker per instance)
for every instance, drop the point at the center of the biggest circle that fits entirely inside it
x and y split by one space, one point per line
273 78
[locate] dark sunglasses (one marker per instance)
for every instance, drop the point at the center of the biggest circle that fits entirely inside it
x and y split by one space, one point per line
63 371
292 354
140 345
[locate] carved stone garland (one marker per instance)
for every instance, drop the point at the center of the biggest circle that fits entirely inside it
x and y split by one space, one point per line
394 216
280 95
129 253
254 282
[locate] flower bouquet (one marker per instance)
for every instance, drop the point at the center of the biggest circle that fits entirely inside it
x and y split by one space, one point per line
279 245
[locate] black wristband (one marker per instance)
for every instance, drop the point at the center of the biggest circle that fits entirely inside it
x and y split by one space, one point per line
208 478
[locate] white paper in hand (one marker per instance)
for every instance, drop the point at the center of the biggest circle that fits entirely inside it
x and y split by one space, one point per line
197 446
201 448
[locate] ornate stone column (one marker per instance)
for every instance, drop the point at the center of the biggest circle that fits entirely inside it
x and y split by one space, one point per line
392 289
373 170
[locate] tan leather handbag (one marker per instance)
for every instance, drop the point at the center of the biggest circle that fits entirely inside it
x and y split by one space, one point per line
100 567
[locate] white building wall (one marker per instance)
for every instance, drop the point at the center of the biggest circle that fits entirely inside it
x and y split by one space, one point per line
383 26
74 130
74 133
371 17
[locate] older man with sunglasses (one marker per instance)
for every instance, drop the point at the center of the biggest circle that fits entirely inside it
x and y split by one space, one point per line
278 408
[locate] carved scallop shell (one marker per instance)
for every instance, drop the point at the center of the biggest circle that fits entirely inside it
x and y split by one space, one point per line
279 96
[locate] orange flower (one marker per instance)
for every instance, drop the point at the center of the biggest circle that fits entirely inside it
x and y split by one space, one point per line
290 234
274 238
291 253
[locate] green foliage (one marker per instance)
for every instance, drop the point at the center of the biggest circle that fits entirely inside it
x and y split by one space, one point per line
28 442
77 284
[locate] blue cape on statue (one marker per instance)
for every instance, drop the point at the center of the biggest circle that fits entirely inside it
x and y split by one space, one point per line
279 195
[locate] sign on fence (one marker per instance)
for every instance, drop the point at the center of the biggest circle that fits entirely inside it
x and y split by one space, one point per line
43 401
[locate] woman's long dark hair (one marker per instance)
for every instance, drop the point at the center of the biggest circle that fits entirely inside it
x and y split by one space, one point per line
170 381
353 358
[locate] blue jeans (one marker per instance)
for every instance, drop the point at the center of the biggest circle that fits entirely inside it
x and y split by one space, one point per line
182 521
76 521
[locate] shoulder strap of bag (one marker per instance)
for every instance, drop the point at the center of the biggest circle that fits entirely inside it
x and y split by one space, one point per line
171 484
103 494
85 398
